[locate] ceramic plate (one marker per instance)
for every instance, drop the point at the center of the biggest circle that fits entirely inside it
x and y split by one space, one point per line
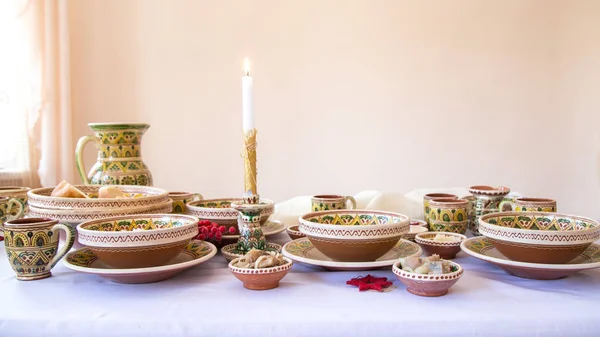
269 228
301 250
481 248
196 252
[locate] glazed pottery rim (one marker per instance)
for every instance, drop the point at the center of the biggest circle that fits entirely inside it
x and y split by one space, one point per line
420 222
419 230
328 197
485 228
262 271
431 196
180 194
264 203
193 221
427 277
226 250
430 242
529 265
534 201
489 190
29 223
118 271
303 221
5 189
329 263
118 126
447 202
155 193
296 231
100 211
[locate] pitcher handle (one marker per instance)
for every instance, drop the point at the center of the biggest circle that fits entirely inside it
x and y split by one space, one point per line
79 157
9 206
197 196
352 201
70 240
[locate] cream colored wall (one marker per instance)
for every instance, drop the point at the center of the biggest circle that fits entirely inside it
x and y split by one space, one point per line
351 95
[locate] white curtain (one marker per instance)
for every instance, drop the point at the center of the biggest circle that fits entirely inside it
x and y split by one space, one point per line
40 99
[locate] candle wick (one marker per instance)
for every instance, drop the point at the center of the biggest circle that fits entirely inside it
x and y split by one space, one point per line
248 73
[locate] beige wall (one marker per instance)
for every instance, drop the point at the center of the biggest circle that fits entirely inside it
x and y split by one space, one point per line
351 95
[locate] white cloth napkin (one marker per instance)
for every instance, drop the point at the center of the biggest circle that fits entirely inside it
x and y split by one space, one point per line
410 204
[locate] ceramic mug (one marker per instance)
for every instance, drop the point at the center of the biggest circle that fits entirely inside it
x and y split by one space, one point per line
448 210
331 202
180 199
16 192
530 205
7 205
428 197
32 244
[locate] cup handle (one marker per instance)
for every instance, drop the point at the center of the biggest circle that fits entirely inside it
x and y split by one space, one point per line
506 202
12 203
352 201
79 157
68 242
197 196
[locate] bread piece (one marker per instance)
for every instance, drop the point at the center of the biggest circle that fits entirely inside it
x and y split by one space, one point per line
66 190
110 192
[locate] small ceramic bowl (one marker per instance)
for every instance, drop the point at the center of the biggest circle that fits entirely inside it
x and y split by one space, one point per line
220 211
445 249
354 235
413 231
260 279
538 237
138 241
428 285
419 223
294 232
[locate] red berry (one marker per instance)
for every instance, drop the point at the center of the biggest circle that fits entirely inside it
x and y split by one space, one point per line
218 235
204 230
201 237
231 230
213 230
205 222
222 229
215 225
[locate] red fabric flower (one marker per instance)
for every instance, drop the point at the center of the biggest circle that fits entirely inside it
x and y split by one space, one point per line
370 282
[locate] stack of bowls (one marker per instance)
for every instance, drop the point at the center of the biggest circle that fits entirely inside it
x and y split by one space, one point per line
539 237
73 211
354 235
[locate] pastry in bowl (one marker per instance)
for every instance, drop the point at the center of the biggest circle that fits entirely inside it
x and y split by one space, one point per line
354 235
539 237
138 241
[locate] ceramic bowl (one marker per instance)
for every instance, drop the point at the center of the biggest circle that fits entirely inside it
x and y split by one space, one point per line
539 237
413 231
428 285
354 235
219 211
445 249
138 241
294 232
260 279
419 223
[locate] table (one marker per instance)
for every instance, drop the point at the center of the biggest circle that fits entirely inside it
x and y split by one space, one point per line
208 301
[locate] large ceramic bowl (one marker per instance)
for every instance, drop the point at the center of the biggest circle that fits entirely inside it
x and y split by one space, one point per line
220 211
138 241
428 285
354 235
539 237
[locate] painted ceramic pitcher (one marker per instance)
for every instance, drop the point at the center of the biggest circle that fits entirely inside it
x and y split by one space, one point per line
119 155
487 200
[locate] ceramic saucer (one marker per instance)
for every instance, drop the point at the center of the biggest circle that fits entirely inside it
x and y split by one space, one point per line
228 251
481 248
301 250
196 252
269 228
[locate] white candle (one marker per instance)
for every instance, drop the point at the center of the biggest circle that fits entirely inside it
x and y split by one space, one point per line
247 101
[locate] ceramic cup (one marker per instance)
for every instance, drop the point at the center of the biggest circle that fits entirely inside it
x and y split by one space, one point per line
428 197
7 207
16 192
529 205
331 202
180 200
448 215
32 244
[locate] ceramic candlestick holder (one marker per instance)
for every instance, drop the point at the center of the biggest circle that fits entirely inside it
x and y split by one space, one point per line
251 233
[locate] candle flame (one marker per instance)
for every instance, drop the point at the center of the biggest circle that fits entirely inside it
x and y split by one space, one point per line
247 66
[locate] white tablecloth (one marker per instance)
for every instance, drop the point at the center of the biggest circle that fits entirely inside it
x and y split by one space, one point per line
208 301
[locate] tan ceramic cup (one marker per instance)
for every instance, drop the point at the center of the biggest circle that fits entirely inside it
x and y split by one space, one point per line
181 199
16 192
330 202
7 210
448 215
428 197
32 245
530 205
